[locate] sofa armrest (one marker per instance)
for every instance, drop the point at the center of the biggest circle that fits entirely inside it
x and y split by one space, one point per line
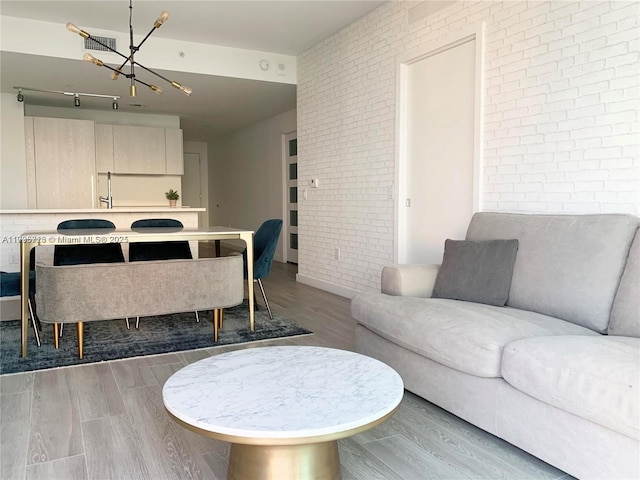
409 280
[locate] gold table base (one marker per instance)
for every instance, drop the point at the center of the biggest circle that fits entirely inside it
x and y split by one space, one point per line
311 461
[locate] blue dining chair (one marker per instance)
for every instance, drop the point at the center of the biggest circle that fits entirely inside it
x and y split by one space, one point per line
86 253
265 241
10 287
142 251
170 250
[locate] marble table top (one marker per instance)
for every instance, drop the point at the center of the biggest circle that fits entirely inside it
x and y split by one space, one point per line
283 392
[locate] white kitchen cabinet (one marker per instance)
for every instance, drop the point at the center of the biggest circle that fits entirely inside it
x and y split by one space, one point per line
104 148
139 150
124 149
65 162
174 151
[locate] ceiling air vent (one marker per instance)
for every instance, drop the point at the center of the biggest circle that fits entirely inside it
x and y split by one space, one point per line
89 44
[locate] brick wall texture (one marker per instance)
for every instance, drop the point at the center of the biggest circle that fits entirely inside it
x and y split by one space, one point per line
560 127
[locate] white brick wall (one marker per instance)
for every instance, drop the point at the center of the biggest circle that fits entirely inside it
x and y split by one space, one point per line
560 122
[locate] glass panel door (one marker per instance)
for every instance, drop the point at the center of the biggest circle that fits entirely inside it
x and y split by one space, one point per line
291 182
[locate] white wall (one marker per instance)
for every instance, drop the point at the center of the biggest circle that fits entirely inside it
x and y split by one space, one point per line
33 37
560 122
246 174
13 168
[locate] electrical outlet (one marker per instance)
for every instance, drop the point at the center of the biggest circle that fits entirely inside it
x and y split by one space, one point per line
337 253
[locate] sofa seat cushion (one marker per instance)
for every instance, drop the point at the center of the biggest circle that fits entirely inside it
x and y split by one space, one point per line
596 378
466 336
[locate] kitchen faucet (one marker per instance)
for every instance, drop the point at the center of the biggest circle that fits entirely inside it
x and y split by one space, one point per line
108 199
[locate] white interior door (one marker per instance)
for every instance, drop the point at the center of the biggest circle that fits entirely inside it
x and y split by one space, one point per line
191 187
290 236
438 191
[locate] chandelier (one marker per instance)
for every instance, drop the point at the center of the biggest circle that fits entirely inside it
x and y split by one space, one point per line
129 59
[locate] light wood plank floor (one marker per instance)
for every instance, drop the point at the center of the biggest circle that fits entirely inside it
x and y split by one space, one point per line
107 421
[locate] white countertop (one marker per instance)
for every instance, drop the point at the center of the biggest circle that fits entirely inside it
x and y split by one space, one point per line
283 392
104 210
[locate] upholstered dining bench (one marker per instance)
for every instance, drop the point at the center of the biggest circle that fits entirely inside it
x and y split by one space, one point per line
104 291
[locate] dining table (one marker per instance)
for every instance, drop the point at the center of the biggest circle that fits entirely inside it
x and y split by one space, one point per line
31 239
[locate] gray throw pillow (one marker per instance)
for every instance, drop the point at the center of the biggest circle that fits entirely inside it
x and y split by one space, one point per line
476 271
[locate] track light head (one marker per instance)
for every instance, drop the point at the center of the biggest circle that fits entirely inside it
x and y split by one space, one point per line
114 105
76 100
20 96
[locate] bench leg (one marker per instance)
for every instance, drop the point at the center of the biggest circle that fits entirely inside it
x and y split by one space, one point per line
217 322
80 329
56 335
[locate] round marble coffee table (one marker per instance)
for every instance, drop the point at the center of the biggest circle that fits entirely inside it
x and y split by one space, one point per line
283 408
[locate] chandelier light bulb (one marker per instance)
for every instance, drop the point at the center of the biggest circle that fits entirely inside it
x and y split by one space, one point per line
72 28
90 58
156 89
186 90
164 16
115 75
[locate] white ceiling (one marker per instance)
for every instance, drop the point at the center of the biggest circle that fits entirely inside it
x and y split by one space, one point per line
224 104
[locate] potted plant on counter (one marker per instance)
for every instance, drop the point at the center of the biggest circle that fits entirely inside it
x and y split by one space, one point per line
172 196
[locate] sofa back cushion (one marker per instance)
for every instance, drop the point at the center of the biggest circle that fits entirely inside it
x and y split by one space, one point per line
625 315
567 266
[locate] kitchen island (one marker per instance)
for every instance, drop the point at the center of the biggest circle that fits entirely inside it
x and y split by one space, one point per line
14 222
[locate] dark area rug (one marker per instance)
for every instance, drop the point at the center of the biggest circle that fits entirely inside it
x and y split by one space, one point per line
110 339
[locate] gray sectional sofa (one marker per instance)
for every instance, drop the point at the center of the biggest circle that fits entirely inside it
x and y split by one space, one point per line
556 370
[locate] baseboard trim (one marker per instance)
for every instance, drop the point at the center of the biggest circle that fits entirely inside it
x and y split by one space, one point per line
326 286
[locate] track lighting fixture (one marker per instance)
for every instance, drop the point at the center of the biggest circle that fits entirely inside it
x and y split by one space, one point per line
76 96
129 59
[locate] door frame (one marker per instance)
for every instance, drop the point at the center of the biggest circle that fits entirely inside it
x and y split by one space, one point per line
285 195
401 158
